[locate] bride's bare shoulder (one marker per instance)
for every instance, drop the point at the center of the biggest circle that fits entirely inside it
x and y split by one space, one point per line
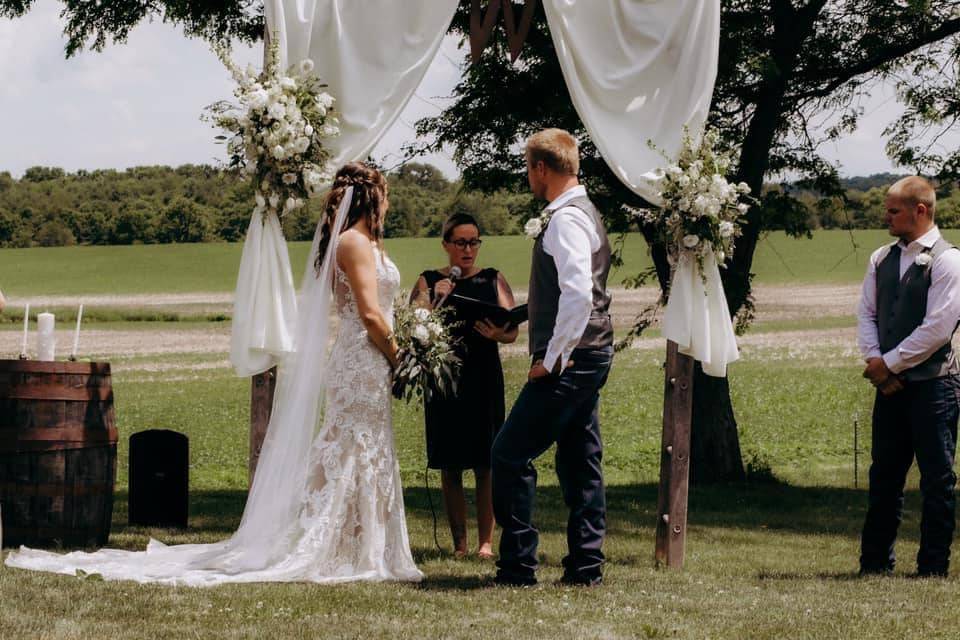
353 246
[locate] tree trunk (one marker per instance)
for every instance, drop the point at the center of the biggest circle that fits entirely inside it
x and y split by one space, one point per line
714 441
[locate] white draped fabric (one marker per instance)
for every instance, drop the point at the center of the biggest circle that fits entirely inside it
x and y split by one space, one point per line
264 302
696 317
639 71
373 55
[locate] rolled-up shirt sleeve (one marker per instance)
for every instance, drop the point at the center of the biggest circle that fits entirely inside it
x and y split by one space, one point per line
942 315
570 239
867 331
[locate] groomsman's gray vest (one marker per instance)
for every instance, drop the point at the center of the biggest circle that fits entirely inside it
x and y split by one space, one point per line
544 292
902 306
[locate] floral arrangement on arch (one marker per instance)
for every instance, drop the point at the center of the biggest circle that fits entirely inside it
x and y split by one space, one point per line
427 364
276 130
701 210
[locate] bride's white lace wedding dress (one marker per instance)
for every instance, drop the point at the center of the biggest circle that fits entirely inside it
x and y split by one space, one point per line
326 505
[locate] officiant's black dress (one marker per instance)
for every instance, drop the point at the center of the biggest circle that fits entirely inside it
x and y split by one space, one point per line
461 427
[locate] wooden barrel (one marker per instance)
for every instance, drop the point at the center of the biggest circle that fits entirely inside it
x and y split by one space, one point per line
58 453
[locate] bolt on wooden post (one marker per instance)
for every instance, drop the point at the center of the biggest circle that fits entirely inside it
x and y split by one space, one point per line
674 459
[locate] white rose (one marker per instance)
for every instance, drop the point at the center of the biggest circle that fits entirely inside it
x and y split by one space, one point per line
743 208
257 99
308 130
420 333
421 314
329 130
533 227
726 229
277 111
683 181
744 187
690 241
288 83
278 152
435 328
306 66
325 100
923 259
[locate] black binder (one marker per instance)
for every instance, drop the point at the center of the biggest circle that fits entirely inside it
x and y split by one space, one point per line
475 310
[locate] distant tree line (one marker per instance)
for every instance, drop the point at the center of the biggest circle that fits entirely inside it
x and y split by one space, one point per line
197 203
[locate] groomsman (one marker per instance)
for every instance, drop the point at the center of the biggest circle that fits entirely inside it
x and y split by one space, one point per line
909 310
571 338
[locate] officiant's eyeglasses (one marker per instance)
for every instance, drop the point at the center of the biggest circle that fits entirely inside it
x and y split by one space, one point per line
463 244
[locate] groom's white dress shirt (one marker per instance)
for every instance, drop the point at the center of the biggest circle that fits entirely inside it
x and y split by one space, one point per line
571 240
943 305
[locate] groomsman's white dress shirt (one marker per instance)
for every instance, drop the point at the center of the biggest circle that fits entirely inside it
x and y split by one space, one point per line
943 305
571 240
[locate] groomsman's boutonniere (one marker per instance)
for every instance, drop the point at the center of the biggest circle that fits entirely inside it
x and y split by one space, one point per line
923 259
536 226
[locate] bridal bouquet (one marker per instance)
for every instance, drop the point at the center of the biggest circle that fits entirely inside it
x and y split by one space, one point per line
275 133
428 364
700 210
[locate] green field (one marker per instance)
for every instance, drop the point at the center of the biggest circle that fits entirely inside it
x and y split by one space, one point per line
831 257
774 557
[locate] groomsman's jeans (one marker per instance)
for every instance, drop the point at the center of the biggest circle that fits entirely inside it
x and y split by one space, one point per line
920 420
563 409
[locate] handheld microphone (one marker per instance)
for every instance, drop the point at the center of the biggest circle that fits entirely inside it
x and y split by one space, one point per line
455 273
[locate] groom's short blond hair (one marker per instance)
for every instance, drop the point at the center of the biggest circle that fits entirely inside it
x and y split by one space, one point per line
557 149
915 190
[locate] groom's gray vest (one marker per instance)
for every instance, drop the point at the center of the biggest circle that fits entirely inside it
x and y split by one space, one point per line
544 293
902 306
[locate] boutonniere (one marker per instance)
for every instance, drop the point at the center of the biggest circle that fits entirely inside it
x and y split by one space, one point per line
536 226
923 259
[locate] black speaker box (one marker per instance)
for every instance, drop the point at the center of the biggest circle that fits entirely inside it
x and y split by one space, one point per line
159 478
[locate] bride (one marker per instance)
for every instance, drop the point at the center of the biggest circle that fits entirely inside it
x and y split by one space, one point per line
326 503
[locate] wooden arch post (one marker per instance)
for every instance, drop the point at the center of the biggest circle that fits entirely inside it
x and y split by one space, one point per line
674 459
263 384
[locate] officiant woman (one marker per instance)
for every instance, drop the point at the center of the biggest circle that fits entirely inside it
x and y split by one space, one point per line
460 427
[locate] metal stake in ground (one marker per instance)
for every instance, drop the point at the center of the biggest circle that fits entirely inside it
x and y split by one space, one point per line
674 458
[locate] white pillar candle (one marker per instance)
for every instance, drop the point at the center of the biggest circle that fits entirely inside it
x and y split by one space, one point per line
26 326
46 340
76 334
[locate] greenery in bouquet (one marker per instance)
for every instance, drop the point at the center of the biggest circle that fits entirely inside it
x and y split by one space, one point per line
275 132
427 362
700 209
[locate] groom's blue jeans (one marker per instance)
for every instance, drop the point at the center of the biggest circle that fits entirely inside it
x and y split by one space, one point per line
561 409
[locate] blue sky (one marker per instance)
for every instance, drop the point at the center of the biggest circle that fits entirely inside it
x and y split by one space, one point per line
139 103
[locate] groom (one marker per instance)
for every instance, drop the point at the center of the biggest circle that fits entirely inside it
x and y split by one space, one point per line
571 344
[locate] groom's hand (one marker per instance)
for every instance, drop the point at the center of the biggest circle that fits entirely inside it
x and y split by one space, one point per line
537 371
877 372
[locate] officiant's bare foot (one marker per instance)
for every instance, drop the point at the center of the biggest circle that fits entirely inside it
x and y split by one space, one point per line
485 552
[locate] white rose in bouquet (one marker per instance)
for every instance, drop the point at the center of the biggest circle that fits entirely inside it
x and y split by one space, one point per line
435 328
325 100
279 152
726 229
421 333
690 241
277 111
308 130
288 83
258 99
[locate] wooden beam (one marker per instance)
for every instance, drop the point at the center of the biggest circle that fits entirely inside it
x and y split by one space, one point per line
674 459
261 403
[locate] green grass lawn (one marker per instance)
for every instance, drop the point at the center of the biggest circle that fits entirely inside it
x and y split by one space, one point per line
764 560
830 257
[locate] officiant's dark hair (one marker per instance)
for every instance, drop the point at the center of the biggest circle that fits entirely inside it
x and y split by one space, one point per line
455 220
369 193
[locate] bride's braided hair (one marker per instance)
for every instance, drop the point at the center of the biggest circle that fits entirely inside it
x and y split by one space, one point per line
369 193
